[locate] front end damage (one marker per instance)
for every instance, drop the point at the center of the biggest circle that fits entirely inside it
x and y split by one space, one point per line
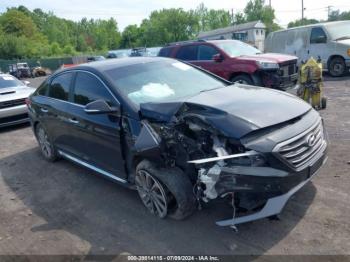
257 169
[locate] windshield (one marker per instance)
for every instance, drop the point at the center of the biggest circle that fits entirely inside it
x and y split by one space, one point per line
339 30
161 81
237 48
9 81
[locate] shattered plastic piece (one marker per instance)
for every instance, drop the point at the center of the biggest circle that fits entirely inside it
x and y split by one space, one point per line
272 207
210 179
147 139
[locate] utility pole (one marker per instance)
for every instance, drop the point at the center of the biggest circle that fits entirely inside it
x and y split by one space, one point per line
270 3
232 17
302 9
329 10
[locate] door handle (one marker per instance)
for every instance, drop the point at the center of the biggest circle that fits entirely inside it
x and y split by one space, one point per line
73 121
44 110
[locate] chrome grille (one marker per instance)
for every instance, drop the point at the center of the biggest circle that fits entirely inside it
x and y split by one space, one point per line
12 103
288 70
300 150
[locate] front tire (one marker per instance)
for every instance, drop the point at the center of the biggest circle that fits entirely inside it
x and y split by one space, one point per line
337 67
243 79
46 147
168 185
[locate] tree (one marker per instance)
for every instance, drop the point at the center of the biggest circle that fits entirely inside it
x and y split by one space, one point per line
211 19
239 18
131 37
68 50
335 15
12 46
168 25
257 10
55 49
301 22
17 23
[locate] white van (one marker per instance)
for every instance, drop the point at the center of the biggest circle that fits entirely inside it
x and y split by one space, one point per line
329 41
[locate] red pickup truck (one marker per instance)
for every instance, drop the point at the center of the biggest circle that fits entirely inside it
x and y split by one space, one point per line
236 61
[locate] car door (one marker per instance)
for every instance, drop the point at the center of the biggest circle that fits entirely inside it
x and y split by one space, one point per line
95 137
205 60
300 43
53 109
318 44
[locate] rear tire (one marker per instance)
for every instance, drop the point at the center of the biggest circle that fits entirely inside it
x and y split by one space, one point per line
337 67
243 79
181 202
47 149
323 102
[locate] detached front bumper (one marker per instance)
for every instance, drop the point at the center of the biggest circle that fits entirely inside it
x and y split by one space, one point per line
276 203
275 80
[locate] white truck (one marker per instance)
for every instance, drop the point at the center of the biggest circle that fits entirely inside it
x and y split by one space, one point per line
328 41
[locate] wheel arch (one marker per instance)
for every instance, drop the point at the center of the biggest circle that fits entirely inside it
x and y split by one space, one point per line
332 57
235 74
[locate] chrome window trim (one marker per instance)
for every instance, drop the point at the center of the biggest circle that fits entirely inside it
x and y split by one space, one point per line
74 71
98 78
92 167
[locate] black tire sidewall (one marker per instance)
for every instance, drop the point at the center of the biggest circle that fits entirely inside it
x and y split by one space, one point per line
177 184
333 62
54 155
245 78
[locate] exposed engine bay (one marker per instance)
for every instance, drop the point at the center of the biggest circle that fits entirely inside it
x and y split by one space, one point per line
203 153
218 164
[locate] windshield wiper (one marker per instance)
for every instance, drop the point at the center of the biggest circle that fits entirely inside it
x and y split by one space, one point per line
342 38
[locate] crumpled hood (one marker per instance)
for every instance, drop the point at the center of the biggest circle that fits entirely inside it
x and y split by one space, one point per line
18 92
269 57
234 110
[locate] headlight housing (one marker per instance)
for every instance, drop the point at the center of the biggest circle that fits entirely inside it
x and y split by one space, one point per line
267 65
255 159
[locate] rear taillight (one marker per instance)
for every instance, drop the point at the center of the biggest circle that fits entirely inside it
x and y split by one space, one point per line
28 102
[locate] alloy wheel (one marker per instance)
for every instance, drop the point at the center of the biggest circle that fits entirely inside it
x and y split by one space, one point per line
338 69
151 193
44 142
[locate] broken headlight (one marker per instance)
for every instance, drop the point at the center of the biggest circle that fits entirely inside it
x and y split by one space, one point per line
267 65
250 160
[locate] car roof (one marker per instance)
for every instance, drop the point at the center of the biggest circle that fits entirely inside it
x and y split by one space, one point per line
116 63
313 25
199 42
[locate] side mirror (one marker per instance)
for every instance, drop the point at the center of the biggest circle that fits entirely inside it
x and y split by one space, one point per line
218 58
26 82
100 107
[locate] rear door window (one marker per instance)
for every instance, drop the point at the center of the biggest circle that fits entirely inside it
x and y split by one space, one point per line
88 88
59 87
165 52
206 52
187 53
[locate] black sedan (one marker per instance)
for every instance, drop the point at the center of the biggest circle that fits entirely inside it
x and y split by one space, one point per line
180 135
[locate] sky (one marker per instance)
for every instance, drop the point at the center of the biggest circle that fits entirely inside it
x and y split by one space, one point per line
134 11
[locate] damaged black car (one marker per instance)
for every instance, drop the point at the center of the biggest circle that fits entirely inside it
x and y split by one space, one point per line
180 136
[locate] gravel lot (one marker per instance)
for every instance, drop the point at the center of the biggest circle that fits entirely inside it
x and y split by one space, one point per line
61 208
